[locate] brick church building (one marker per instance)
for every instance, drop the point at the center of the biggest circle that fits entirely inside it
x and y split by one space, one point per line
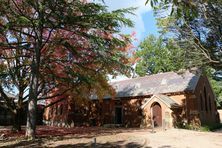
166 99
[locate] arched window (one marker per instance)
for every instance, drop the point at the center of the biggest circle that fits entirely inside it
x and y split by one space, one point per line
201 103
210 109
205 97
52 111
56 110
49 112
60 109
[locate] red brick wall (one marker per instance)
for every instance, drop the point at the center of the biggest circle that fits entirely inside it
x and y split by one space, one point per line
96 113
131 112
57 113
206 105
99 113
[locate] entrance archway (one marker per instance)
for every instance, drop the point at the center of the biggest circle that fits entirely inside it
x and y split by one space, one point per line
156 114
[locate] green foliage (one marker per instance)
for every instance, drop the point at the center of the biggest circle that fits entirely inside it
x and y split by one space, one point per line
190 127
217 87
204 128
195 27
213 127
215 84
156 55
43 32
64 45
179 7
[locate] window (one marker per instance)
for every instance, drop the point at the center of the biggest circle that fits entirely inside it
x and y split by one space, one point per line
52 111
100 110
56 110
210 109
201 102
76 108
205 97
60 109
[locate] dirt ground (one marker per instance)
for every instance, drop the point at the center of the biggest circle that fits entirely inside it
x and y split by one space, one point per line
110 137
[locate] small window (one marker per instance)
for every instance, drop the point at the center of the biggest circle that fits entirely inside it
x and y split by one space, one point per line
205 97
210 109
215 104
5 113
76 108
60 109
56 110
201 102
52 110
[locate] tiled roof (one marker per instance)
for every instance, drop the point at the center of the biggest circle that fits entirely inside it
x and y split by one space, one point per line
162 83
165 99
168 101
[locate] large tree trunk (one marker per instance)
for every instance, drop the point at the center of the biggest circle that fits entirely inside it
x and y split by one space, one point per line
34 83
17 120
32 103
31 119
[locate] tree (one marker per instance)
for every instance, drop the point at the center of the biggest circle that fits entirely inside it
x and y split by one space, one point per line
14 77
156 55
217 87
70 45
196 27
215 84
179 7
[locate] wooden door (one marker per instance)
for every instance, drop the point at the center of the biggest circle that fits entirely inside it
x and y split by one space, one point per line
118 115
157 114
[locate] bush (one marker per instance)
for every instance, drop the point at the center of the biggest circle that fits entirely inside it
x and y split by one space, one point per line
211 127
205 128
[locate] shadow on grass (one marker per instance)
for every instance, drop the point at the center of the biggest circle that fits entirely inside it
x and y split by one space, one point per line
46 134
40 143
118 144
78 132
26 144
81 132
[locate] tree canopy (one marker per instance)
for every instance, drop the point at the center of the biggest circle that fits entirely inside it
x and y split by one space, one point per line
195 27
156 55
67 45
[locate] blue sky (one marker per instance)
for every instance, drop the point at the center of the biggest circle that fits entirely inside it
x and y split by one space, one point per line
144 20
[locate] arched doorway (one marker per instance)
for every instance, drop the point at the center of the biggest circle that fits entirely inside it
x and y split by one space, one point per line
156 114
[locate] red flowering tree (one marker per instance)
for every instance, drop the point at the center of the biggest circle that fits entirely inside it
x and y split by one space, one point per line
70 45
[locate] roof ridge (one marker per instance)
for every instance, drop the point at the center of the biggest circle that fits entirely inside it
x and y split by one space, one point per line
143 77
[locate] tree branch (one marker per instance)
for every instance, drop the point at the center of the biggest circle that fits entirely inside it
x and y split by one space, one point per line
57 101
56 95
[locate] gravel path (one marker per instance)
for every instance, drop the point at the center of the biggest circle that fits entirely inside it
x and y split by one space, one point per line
173 138
179 138
124 138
